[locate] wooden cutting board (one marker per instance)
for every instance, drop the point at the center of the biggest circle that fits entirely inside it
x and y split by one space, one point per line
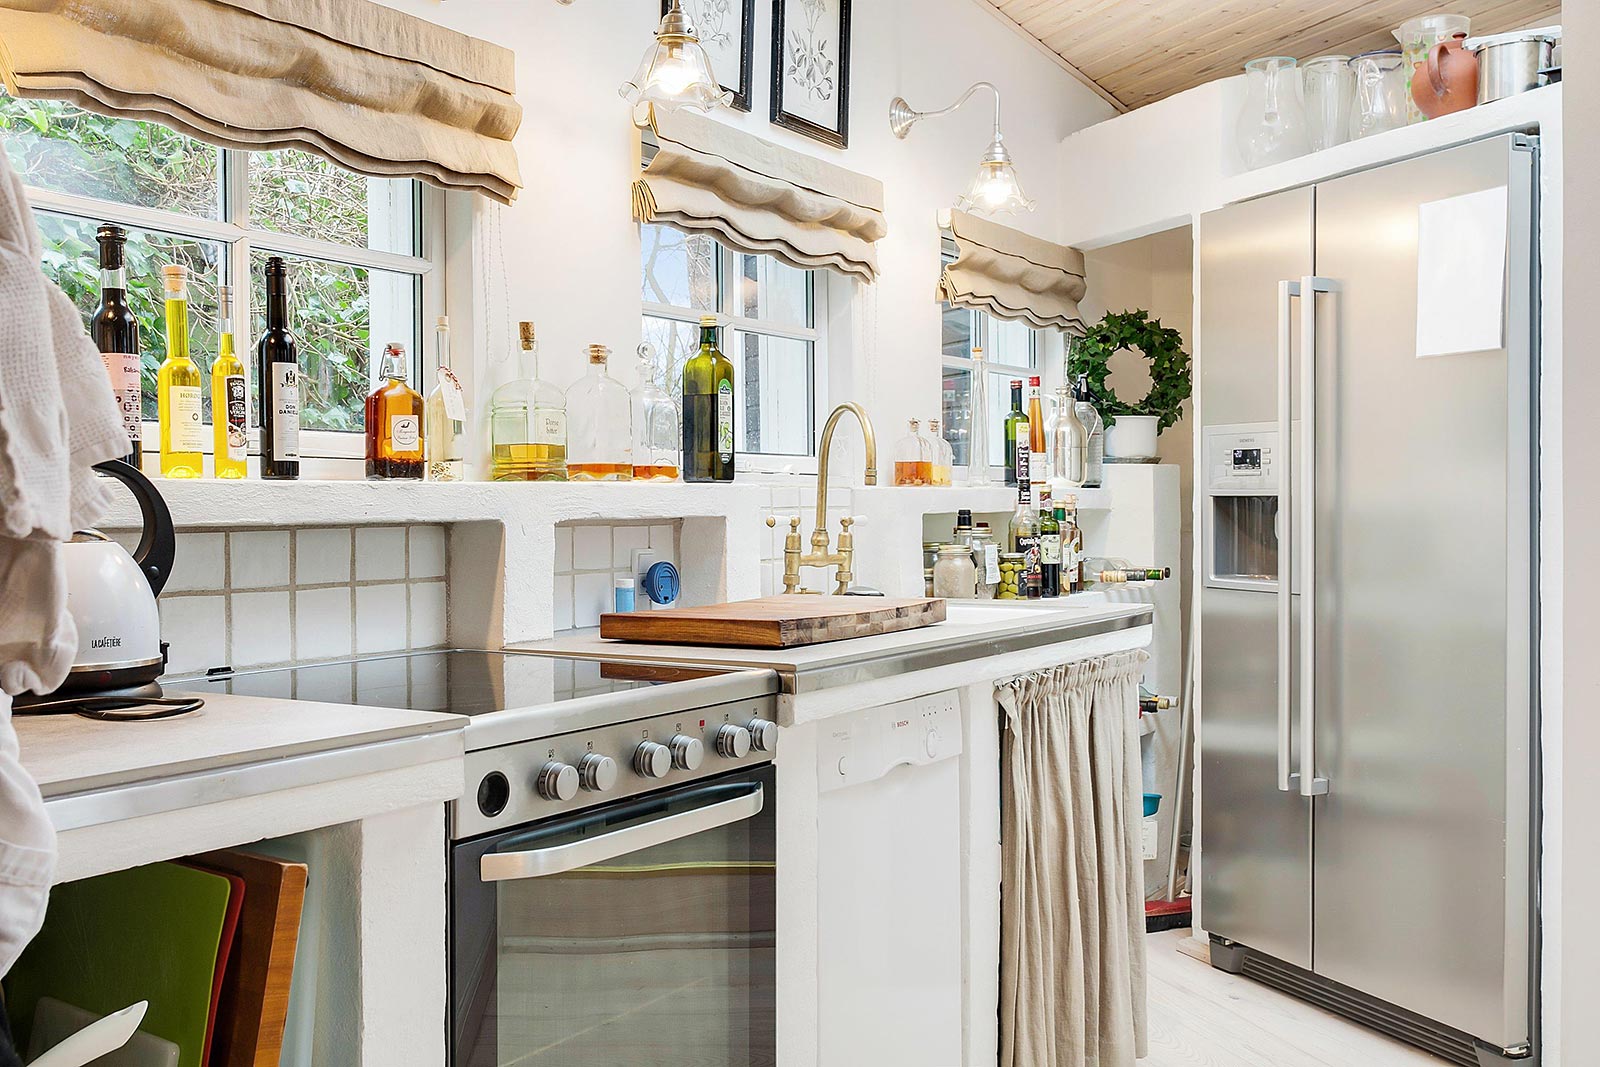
774 621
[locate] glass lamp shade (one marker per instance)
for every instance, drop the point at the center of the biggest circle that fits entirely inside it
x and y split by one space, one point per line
675 72
995 190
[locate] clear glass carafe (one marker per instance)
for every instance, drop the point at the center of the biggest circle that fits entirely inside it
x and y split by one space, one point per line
1328 87
1272 123
1379 96
599 425
657 424
528 422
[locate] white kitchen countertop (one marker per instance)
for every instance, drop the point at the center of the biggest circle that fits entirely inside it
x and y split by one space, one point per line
979 640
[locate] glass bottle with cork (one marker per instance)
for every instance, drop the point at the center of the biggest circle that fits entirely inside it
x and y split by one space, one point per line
1071 544
394 422
444 420
115 330
944 457
183 432
599 425
978 421
230 398
528 422
708 411
1017 434
657 424
1038 456
912 463
278 381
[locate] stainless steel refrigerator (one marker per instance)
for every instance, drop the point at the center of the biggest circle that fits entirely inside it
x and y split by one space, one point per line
1368 758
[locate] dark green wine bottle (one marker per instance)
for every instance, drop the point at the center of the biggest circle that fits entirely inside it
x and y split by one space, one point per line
708 411
1016 423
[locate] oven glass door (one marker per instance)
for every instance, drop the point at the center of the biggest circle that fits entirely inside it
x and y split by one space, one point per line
639 933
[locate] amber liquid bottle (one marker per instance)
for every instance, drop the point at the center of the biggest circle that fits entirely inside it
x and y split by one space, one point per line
394 423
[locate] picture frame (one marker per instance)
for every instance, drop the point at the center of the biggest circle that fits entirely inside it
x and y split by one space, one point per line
727 30
811 69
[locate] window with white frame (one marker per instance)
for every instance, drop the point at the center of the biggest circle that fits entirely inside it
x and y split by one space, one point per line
1011 352
775 317
357 247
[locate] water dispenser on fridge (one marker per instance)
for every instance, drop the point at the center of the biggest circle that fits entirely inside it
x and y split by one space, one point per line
1241 507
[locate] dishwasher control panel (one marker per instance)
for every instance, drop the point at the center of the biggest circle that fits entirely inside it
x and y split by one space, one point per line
866 745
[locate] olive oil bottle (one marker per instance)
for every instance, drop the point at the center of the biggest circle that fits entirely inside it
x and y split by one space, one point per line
708 411
183 433
230 400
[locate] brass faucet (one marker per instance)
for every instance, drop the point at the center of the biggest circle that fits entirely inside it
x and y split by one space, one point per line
820 556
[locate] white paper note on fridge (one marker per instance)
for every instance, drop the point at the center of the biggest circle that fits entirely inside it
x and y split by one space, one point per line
1461 274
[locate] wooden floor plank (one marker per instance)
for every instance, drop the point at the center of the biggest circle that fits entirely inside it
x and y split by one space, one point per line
1201 1017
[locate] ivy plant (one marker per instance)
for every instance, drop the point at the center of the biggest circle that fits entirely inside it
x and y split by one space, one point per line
1170 380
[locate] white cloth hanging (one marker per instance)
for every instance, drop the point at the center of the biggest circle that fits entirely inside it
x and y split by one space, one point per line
57 419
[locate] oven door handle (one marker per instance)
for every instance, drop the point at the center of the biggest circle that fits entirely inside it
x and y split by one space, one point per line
558 859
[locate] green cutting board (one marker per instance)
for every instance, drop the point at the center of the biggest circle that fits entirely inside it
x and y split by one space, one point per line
150 933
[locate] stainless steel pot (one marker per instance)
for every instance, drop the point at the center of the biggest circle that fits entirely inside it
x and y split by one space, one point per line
1511 63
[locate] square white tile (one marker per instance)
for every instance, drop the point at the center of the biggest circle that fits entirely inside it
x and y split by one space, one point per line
198 564
380 618
591 597
563 549
786 498
591 548
769 578
380 553
321 556
427 551
428 614
196 630
563 602
664 538
260 629
324 623
258 559
625 541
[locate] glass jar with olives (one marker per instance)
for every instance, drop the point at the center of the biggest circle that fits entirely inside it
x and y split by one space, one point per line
1012 576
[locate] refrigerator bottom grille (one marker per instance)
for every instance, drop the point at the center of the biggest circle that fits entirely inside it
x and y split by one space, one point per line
1453 1045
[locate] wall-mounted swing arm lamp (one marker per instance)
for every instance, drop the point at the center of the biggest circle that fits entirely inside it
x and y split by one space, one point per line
995 189
675 71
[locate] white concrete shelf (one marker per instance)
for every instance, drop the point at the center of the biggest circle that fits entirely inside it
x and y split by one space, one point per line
986 500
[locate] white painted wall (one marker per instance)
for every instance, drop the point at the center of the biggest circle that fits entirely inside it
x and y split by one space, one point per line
572 250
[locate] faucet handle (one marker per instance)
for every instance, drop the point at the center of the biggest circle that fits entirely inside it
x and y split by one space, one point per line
794 523
847 522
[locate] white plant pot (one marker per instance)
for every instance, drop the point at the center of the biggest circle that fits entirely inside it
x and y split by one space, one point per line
1132 438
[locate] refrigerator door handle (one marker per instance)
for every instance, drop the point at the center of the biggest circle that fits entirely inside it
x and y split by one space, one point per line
1311 783
1287 292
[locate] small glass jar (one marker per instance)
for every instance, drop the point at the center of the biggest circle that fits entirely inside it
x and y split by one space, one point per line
1012 578
913 459
954 576
984 549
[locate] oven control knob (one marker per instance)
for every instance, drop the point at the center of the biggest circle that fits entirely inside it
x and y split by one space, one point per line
688 752
764 732
733 742
557 781
651 760
597 773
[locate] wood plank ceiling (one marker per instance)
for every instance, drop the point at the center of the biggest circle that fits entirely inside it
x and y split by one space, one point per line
1140 51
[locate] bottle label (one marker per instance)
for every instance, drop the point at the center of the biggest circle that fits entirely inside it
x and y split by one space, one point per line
1024 482
725 419
123 370
1050 549
991 564
187 431
455 403
549 427
405 433
236 417
284 410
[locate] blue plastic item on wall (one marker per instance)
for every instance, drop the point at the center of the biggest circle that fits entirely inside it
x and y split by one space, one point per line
661 583
1152 803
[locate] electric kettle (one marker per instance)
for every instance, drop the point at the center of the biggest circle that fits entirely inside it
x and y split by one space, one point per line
112 598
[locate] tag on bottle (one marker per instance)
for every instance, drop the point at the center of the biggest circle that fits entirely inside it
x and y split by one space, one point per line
455 403
991 564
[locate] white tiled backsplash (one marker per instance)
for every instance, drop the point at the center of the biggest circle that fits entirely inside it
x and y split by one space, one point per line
783 502
252 598
591 557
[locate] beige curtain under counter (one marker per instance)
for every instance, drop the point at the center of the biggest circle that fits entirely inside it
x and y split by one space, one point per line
1072 981
758 197
376 90
1012 275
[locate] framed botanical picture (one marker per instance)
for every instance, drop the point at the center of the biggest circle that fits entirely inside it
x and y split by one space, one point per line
727 33
811 68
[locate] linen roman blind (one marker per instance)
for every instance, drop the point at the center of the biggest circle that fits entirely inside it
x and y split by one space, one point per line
371 88
758 197
1012 275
